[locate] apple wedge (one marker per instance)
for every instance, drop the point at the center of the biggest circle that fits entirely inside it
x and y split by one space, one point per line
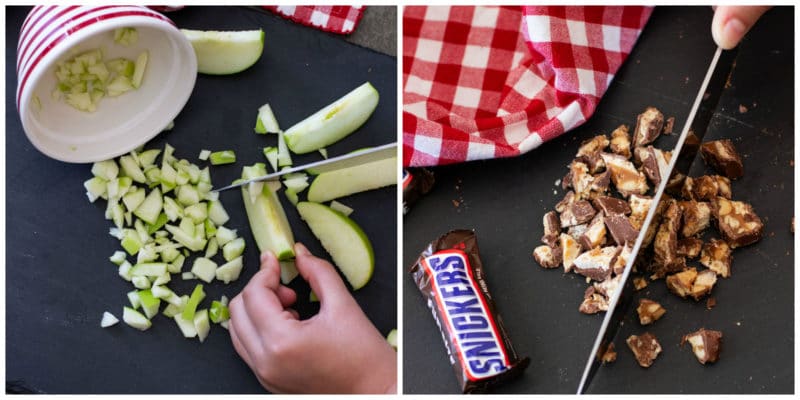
346 181
223 53
268 221
343 239
333 122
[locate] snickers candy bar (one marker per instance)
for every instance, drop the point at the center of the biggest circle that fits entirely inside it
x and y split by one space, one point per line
451 277
723 157
648 126
649 311
581 179
665 246
708 187
416 184
705 344
737 222
639 206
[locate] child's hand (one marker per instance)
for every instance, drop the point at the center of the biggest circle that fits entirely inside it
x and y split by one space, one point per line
731 23
335 351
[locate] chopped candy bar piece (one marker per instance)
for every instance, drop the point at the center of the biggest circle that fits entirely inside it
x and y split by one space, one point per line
669 125
621 259
576 231
639 283
568 199
547 256
611 205
665 247
595 263
552 228
569 251
681 283
593 161
696 217
645 348
687 190
716 255
639 205
708 187
609 355
737 222
595 233
649 311
593 302
705 343
577 213
621 229
593 145
621 142
690 247
648 127
703 284
624 175
581 179
654 163
723 157
600 182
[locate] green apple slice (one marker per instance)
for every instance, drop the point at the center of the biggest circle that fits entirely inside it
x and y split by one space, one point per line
108 320
229 52
333 122
135 319
230 271
268 221
204 269
201 324
266 121
150 208
343 239
392 338
346 181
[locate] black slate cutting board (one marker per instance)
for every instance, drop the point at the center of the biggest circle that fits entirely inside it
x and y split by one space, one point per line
58 277
504 201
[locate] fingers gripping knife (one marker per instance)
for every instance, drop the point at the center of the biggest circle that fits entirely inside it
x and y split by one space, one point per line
686 149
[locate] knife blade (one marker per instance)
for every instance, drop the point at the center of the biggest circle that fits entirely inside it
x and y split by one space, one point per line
684 154
344 161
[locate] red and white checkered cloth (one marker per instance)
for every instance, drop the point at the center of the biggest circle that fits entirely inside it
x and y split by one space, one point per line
336 19
488 82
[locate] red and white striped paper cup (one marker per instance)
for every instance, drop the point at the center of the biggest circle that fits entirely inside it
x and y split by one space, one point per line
53 34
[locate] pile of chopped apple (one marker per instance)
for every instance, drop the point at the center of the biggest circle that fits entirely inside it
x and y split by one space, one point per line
163 213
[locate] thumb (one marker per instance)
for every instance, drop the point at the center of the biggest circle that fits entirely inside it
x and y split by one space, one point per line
321 276
731 23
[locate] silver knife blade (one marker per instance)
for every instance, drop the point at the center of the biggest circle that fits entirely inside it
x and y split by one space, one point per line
683 156
348 160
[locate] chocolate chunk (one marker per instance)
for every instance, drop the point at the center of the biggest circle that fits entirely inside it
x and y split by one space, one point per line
577 213
569 251
626 178
665 246
645 348
669 125
706 344
654 163
689 247
566 181
621 142
576 231
581 179
593 145
568 199
609 355
649 311
723 157
595 263
547 256
621 229
595 233
716 255
639 283
696 217
611 205
737 222
552 228
600 182
639 206
648 127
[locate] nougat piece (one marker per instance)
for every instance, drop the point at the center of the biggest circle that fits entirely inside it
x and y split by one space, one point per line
665 246
568 199
552 228
570 249
649 311
595 233
626 178
577 213
581 179
596 263
723 157
639 205
706 344
690 247
696 217
648 126
645 348
547 256
716 255
621 142
737 222
708 187
611 205
654 163
593 145
621 229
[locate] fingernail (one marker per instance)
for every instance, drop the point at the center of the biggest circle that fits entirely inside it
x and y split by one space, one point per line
734 30
265 256
300 250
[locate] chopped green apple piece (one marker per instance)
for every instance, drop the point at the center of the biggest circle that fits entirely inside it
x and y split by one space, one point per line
288 271
267 219
191 306
266 121
225 235
346 181
343 239
162 280
392 338
108 320
211 230
201 324
186 326
119 187
133 297
134 199
148 157
172 209
172 310
229 271
175 266
323 152
222 53
150 303
124 271
217 213
95 188
188 195
131 241
224 300
212 248
187 276
333 122
233 249
126 36
204 154
196 212
151 207
146 254
218 312
155 269
135 319
191 242
296 183
141 282
284 157
118 257
107 169
222 157
341 208
138 72
160 222
291 195
271 154
166 294
204 269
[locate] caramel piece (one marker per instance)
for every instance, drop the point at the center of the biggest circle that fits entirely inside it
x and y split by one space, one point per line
581 179
696 217
649 311
703 284
626 178
716 255
723 157
690 247
621 259
547 256
645 348
706 344
621 142
648 126
737 222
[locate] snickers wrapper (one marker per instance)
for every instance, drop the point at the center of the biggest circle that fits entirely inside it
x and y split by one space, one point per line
450 276
416 183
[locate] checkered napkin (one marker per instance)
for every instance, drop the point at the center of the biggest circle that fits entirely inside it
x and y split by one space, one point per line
488 82
336 19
